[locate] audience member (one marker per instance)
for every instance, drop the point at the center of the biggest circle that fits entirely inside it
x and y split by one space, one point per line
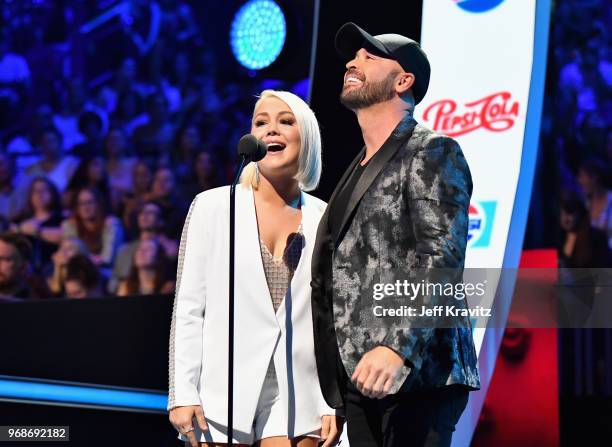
82 278
92 173
153 140
40 221
174 207
15 81
203 175
583 246
12 199
90 126
591 178
16 281
151 271
131 201
120 165
100 232
150 226
128 114
57 168
188 144
68 248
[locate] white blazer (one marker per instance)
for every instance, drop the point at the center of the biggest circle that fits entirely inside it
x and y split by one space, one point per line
199 330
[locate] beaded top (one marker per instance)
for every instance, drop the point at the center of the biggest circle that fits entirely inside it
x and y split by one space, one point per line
279 272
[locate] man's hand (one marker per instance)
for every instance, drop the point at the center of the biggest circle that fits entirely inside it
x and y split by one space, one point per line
377 371
182 418
331 429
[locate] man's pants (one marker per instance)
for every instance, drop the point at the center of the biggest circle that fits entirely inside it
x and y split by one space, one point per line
423 419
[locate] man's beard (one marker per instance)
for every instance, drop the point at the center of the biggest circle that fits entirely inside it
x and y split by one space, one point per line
6 281
369 93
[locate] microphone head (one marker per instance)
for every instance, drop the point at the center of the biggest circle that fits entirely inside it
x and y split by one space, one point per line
251 148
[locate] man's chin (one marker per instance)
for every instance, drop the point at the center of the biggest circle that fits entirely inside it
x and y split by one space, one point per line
350 101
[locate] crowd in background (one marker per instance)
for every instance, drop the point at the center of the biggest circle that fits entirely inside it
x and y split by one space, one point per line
102 150
572 201
108 131
576 139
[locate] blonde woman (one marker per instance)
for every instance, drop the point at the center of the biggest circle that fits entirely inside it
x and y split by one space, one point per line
277 396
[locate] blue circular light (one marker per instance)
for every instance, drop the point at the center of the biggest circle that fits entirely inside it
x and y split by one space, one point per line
258 33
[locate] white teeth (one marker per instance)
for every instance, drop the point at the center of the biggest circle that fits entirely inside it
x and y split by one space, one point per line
352 79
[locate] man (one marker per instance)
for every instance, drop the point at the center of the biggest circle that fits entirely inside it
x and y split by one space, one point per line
401 206
15 279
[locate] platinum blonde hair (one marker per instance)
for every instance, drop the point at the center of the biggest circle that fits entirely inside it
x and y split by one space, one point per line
309 161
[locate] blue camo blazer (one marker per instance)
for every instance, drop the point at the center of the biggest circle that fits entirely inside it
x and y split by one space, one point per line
408 212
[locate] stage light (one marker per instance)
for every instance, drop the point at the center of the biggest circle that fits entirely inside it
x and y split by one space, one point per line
77 394
258 33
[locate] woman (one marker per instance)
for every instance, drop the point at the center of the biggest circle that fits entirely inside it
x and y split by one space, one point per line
203 174
92 172
131 201
119 166
582 244
100 232
173 205
11 193
56 167
279 402
592 177
40 221
82 279
68 249
188 143
150 273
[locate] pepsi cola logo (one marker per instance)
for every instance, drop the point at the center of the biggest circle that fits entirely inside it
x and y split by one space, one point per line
481 216
478 5
477 223
495 113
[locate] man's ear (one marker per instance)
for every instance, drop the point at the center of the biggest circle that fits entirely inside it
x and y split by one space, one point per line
404 82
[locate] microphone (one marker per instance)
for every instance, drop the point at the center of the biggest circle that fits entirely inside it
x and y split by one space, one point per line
251 148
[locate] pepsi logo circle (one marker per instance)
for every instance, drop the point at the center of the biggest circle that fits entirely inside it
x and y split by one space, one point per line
477 223
481 215
478 5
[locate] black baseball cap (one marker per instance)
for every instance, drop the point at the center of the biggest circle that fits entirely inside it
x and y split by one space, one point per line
407 52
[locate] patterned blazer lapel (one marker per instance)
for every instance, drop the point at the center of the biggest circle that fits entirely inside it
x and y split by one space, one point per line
400 134
323 232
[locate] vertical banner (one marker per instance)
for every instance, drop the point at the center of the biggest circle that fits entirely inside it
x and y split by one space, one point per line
481 56
488 62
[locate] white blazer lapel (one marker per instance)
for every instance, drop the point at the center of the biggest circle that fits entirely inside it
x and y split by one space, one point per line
249 266
310 221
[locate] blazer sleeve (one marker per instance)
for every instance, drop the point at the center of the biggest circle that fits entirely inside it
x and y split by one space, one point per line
439 188
186 329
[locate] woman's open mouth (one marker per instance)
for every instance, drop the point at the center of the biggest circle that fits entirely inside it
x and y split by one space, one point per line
275 148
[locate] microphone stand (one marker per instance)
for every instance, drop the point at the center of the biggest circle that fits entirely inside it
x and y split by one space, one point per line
230 360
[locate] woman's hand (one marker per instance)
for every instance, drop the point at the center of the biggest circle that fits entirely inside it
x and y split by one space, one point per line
331 429
30 227
97 260
182 420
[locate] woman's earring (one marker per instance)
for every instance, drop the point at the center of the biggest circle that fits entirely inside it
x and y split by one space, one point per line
256 174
